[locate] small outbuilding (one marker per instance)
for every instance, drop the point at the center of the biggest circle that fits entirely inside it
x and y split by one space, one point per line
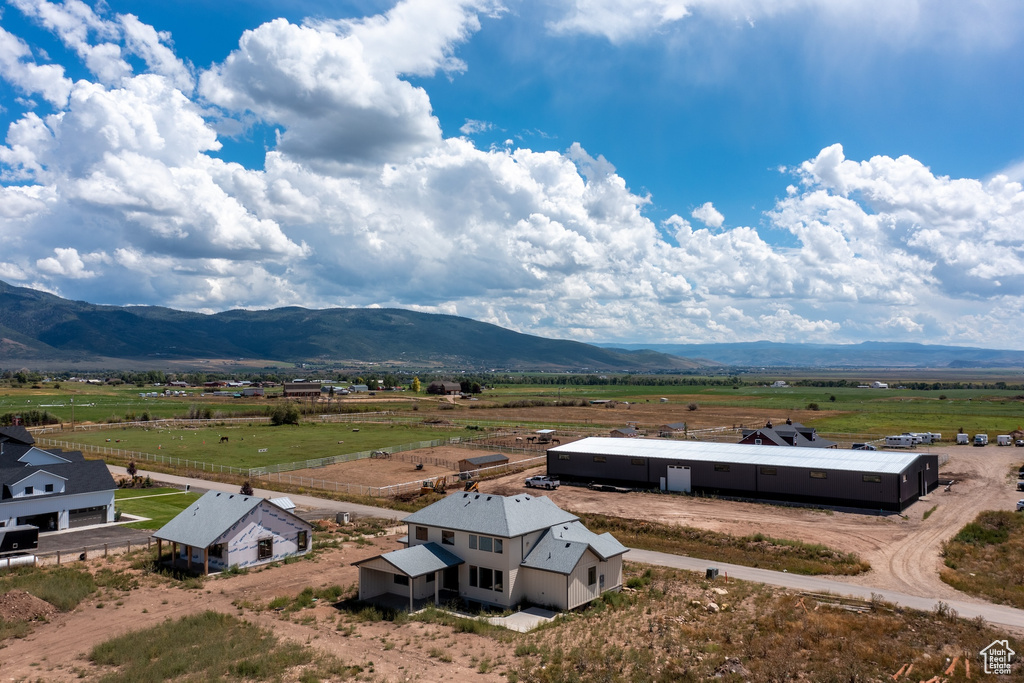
481 461
224 530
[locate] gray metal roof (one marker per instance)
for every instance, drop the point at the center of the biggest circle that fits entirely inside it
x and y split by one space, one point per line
493 515
203 521
560 549
887 462
487 459
422 559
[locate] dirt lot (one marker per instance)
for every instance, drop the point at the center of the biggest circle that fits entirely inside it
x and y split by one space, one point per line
904 553
400 468
57 650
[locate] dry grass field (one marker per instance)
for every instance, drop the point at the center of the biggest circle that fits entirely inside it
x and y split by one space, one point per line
660 629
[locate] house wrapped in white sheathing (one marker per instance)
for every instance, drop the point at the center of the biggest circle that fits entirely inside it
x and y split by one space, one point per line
223 530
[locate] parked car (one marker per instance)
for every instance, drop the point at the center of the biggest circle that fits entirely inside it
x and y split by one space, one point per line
1019 443
863 447
542 482
1020 484
1020 505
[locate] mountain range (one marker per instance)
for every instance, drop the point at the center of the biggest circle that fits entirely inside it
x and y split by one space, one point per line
37 326
44 329
870 354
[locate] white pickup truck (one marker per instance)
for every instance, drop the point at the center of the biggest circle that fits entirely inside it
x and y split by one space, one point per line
542 482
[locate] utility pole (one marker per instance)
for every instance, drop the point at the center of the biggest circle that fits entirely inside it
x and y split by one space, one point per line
72 413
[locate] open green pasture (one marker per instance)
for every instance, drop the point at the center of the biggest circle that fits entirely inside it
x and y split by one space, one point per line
843 409
149 503
100 403
280 444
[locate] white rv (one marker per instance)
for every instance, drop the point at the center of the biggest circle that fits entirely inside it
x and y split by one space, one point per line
963 439
1004 440
981 439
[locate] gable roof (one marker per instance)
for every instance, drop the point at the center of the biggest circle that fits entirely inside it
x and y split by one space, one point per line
418 560
560 549
203 521
86 476
502 516
17 434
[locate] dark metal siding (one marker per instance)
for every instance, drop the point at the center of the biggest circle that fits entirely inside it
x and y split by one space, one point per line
839 487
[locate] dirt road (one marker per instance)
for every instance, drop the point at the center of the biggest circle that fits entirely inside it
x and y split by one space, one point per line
904 552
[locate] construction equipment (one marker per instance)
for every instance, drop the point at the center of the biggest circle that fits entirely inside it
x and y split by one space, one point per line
472 486
439 485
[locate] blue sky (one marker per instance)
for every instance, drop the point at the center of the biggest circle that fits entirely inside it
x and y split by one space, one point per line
651 171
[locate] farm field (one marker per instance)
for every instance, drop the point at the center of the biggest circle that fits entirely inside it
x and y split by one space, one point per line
843 409
244 443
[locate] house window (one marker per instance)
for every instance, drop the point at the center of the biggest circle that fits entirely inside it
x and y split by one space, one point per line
49 488
472 542
600 458
591 576
485 544
217 550
498 546
770 471
927 465
499 581
563 456
265 548
721 468
873 478
447 537
637 461
421 533
904 478
29 490
757 442
486 578
303 541
472 576
815 474
401 579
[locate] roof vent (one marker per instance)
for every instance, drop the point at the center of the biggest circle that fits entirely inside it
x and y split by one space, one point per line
465 495
476 497
488 497
567 544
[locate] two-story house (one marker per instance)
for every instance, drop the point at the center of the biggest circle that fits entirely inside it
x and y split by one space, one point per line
51 490
496 551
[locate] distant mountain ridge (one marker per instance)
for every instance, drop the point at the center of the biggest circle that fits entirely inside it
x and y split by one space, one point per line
869 354
35 325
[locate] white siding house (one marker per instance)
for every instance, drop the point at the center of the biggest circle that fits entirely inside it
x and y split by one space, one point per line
51 490
499 551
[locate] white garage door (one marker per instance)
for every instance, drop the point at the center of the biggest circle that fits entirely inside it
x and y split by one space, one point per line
678 478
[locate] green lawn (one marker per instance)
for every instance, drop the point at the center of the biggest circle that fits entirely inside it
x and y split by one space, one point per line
160 509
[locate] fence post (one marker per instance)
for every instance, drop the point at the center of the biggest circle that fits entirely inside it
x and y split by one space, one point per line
104 550
58 558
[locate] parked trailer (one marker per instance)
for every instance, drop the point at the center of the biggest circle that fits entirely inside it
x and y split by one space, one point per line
963 439
899 441
1004 440
18 539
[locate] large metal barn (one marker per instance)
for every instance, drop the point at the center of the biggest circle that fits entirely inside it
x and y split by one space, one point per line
868 479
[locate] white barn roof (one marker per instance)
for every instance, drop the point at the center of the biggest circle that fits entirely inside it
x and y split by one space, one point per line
889 462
